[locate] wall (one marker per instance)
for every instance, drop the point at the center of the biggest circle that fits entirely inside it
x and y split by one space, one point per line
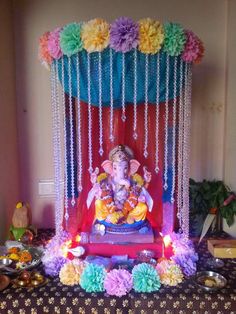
207 18
230 125
9 176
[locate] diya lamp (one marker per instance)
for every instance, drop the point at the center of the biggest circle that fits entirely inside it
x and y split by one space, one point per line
166 241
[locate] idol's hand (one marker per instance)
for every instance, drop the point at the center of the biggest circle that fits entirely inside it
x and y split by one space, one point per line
94 175
147 175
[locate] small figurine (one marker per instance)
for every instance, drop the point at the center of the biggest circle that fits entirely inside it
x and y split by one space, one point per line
21 229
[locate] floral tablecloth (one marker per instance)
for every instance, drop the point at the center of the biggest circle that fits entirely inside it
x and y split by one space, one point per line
185 298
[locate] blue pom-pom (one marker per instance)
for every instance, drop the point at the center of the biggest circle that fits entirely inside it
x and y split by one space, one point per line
92 278
145 278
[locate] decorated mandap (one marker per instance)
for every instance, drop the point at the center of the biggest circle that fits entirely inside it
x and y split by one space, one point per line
121 109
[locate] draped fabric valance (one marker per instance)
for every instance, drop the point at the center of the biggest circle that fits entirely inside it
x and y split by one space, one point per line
112 69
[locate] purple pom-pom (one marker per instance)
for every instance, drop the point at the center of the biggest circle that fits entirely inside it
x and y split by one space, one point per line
124 34
118 282
53 266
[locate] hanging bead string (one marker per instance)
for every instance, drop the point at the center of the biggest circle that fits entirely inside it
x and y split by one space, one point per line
186 152
58 176
54 136
123 116
157 116
79 140
66 216
166 124
180 148
135 135
100 104
90 148
111 97
145 151
71 136
174 131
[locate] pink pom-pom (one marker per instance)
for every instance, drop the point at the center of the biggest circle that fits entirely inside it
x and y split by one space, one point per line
54 44
118 282
193 51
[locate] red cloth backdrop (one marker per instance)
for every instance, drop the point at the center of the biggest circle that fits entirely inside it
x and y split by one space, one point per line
80 217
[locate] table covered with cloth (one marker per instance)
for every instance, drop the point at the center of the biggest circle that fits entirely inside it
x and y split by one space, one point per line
184 298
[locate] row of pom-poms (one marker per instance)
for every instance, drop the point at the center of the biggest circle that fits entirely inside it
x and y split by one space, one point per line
118 282
123 35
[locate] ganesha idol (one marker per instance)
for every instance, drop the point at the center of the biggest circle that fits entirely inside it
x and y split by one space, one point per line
122 199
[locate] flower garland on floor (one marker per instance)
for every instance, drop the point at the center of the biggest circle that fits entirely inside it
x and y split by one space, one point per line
148 36
144 277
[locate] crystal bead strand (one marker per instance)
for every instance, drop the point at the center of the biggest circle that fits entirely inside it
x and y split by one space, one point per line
100 104
186 153
79 141
123 116
54 136
58 177
111 97
145 150
174 131
66 216
180 148
166 124
90 149
135 135
157 116
71 136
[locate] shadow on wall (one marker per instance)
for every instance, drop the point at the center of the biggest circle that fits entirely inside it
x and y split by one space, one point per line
3 222
48 215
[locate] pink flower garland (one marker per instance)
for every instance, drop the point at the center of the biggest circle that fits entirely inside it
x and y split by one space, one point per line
193 51
54 44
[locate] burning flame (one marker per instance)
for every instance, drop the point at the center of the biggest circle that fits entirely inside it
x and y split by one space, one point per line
167 240
65 247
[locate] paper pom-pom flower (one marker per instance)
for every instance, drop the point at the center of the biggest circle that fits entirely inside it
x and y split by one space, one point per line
71 272
44 54
70 39
186 262
151 36
95 35
200 53
54 44
124 34
118 282
53 266
145 278
92 278
170 273
175 39
192 47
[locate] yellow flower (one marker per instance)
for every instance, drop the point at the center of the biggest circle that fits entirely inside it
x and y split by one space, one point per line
95 35
101 177
151 36
70 273
137 178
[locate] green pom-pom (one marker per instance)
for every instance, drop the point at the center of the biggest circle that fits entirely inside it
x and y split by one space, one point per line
92 278
70 39
175 39
145 278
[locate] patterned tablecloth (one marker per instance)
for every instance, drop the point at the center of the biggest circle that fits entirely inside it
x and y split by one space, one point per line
185 298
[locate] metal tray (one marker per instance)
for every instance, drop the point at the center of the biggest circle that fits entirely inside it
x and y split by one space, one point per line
210 281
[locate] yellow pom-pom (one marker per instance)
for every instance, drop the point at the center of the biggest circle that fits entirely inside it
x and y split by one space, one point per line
70 273
151 36
95 35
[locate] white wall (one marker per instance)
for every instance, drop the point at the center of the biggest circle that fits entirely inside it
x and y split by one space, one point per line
9 175
230 124
207 18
